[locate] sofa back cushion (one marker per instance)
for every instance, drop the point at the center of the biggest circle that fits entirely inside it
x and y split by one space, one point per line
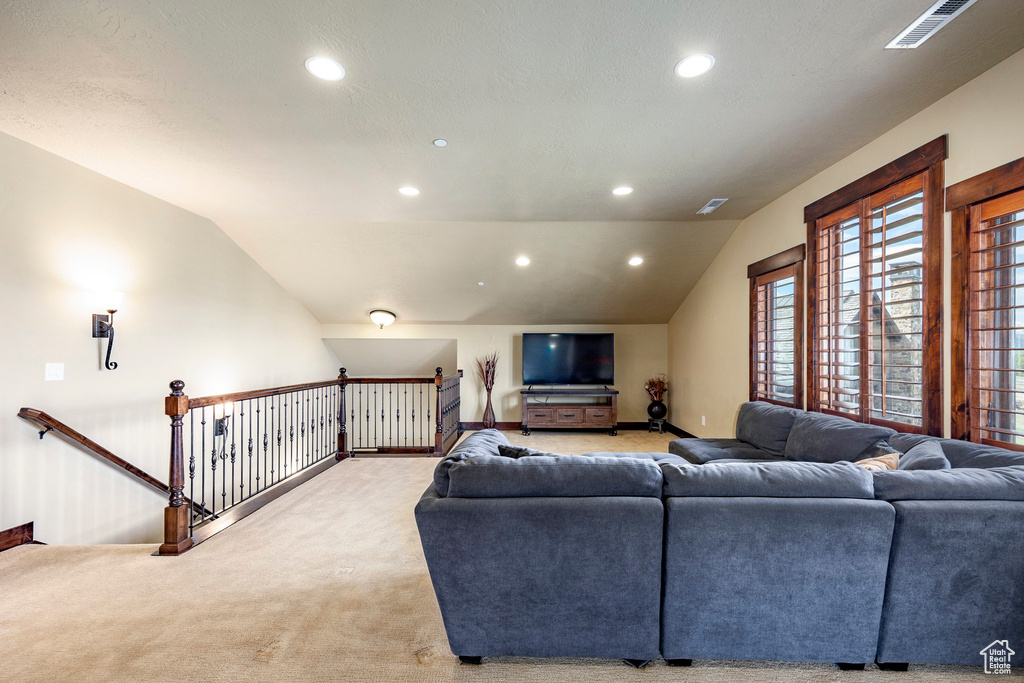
817 437
926 455
490 476
962 453
484 442
996 483
765 425
768 480
523 451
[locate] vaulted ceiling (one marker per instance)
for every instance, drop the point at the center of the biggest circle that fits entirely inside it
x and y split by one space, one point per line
546 106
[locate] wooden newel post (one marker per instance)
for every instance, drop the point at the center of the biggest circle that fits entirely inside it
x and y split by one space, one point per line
342 426
176 531
439 429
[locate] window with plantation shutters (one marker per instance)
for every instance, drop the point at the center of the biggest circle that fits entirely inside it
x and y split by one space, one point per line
996 318
776 328
875 296
988 307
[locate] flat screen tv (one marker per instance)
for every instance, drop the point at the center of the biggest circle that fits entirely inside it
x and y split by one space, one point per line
568 358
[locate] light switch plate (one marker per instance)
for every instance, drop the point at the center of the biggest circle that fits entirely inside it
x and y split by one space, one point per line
54 372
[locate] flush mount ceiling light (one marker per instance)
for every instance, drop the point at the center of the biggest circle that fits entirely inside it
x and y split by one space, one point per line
381 317
694 65
623 190
523 261
440 143
481 283
409 191
635 261
325 68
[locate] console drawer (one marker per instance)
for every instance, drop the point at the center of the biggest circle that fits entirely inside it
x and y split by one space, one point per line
600 415
568 415
541 416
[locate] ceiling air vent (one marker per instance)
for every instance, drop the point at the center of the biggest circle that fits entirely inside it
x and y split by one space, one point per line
711 206
928 24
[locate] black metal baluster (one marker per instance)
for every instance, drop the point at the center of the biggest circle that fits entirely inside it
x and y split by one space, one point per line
261 411
275 461
249 446
192 469
202 452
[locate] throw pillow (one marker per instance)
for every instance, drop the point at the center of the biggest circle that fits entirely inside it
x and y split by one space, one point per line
926 455
517 452
880 447
889 461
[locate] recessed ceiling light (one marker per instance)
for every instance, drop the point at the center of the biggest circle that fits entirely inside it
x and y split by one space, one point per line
635 261
523 261
625 189
409 191
440 143
325 68
694 65
481 283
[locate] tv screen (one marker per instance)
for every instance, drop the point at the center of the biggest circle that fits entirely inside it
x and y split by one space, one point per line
568 358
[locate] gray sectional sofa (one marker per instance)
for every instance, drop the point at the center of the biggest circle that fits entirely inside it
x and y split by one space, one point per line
772 545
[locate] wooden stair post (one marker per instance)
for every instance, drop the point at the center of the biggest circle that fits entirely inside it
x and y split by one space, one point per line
176 515
342 426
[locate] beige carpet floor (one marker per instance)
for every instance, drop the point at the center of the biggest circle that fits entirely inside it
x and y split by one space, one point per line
327 583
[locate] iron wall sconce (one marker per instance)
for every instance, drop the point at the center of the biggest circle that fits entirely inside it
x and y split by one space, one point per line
220 423
103 328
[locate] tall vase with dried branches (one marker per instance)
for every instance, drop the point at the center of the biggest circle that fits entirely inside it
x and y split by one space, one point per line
656 388
488 369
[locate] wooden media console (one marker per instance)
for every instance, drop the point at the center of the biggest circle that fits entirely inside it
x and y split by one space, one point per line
595 409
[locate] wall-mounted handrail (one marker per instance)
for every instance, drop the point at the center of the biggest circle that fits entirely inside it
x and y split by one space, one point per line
76 438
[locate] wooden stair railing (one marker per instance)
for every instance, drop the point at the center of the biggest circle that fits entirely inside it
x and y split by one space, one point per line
76 438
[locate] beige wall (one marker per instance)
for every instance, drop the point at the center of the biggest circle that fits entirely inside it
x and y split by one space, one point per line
640 352
708 335
196 307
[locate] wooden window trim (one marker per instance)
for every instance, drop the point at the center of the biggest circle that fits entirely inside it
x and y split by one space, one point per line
961 199
784 264
929 160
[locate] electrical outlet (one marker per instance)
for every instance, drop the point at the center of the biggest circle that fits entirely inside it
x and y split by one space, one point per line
54 372
703 422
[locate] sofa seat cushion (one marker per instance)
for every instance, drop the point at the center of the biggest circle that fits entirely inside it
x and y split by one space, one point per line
699 451
995 483
484 442
962 453
926 455
765 425
768 480
494 476
817 437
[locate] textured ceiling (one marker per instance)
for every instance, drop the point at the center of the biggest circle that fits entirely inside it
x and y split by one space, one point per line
546 104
